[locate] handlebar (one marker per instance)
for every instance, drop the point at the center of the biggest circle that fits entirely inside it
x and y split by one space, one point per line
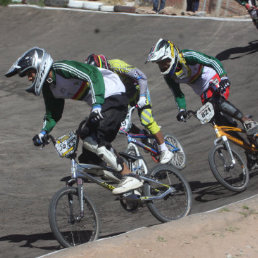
190 113
70 140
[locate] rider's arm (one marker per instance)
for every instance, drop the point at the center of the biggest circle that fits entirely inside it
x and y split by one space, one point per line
137 75
194 57
178 94
84 72
54 109
133 73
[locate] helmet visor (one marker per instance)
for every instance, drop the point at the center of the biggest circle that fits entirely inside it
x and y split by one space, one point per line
14 69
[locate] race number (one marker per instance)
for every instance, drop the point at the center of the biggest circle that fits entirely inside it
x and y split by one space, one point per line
205 113
65 145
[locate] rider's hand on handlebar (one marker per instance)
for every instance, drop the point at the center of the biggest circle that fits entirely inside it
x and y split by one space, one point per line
40 139
96 115
224 84
182 115
142 102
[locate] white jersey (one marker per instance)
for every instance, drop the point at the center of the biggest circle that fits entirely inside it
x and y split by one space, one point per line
113 84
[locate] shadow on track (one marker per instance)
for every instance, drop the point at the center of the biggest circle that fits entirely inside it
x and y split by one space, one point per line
209 191
251 48
30 239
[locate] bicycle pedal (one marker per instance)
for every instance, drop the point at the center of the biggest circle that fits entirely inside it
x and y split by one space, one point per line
131 196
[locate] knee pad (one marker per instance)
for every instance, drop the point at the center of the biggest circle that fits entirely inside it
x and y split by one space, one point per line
110 157
148 121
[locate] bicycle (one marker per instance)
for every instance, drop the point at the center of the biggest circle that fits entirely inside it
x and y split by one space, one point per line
73 217
226 164
149 144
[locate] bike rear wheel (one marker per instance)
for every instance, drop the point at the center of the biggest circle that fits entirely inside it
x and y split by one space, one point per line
67 225
139 166
233 177
179 158
175 205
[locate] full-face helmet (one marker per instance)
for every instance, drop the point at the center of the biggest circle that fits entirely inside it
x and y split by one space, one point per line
36 59
97 60
164 50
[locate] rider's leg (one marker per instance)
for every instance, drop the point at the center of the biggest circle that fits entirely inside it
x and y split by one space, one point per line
148 121
223 105
250 125
105 132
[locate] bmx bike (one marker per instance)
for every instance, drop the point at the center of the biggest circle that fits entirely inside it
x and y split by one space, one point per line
73 217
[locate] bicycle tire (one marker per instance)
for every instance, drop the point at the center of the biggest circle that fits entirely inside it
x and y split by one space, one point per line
179 158
67 231
231 180
139 166
175 205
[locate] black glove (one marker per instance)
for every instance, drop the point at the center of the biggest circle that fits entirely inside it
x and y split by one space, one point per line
182 115
224 83
95 115
40 139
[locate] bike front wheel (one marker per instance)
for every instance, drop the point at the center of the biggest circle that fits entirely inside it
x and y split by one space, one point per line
179 157
234 177
68 225
175 205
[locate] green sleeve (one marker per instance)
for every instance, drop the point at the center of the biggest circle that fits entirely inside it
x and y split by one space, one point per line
178 94
85 72
54 109
194 57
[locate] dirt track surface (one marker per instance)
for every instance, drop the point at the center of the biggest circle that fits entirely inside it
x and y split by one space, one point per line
227 232
30 176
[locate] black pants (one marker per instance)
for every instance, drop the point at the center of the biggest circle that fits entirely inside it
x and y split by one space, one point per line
114 111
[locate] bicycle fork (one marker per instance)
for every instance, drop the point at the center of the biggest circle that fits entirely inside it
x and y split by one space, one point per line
80 195
226 144
79 182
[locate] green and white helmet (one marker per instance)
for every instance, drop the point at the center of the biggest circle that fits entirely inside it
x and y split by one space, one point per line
36 59
164 49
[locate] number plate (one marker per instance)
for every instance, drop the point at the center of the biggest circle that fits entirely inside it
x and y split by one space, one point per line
65 145
205 113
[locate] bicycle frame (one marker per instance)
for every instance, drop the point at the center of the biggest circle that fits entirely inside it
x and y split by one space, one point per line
221 131
154 152
78 175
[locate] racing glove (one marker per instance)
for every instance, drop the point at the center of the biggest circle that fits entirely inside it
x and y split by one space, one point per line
142 102
182 115
95 115
224 83
40 139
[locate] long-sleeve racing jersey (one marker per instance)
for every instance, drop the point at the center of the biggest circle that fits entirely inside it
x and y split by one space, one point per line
133 78
196 70
78 81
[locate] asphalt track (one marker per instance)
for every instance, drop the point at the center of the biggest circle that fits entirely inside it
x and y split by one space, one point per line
30 176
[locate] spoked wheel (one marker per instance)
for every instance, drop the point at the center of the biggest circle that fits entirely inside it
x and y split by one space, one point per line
234 177
139 166
69 227
179 158
176 204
